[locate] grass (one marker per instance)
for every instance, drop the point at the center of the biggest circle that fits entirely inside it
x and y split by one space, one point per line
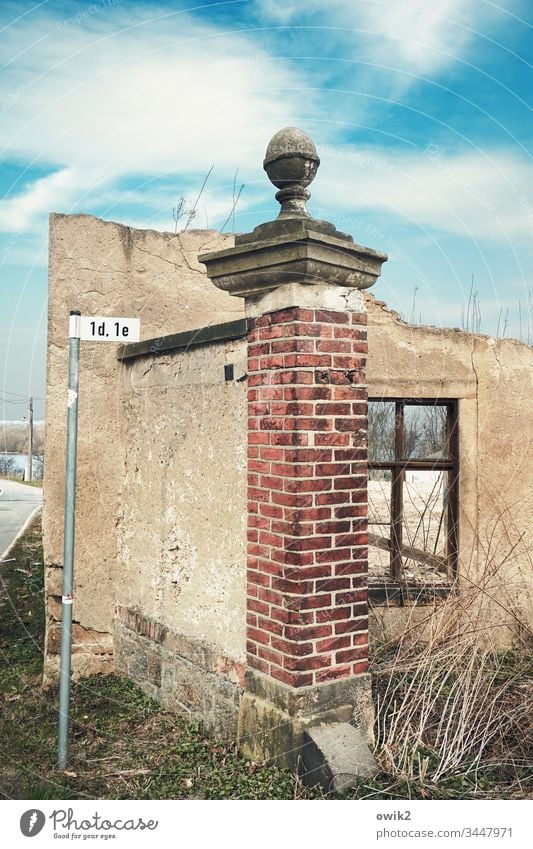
453 720
122 745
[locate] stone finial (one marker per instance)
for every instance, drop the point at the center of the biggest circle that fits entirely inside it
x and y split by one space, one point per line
291 163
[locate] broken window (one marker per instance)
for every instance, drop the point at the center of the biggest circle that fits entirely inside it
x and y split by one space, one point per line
412 491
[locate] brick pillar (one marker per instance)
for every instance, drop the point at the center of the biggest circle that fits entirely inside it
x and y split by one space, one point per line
307 695
307 620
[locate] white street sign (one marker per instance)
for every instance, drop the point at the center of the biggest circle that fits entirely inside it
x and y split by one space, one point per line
101 328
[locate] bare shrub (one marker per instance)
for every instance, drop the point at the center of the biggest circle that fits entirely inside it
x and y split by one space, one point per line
448 703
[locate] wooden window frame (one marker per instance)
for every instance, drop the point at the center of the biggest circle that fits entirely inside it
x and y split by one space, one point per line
399 466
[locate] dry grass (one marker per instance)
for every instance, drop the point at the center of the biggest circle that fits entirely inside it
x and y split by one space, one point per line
451 707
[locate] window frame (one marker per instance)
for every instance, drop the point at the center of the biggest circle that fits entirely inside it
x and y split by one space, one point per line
399 466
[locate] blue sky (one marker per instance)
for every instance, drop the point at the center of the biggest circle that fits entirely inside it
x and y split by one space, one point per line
421 113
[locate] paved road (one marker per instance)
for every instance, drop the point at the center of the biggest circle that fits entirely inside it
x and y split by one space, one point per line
17 503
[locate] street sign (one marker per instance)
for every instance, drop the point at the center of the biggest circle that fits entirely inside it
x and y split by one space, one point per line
90 328
101 328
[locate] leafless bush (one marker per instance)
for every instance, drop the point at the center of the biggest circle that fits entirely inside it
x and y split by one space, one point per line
448 703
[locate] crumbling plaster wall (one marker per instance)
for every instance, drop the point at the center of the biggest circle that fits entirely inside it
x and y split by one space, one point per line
182 545
493 380
159 448
103 268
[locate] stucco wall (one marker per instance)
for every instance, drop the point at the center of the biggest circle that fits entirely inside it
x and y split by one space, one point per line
493 380
182 543
103 268
161 486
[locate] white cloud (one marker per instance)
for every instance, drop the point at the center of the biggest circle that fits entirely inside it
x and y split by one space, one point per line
414 36
99 102
471 194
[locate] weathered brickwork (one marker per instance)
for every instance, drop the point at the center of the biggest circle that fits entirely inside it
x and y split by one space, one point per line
191 676
307 496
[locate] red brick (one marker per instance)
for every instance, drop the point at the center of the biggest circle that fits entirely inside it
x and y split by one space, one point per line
349 333
307 632
333 643
268 654
270 393
331 317
292 587
307 455
306 514
269 625
268 538
332 556
271 482
360 668
290 314
292 408
258 466
294 679
332 439
332 674
351 625
305 664
306 360
334 614
350 424
293 344
307 393
303 485
349 482
333 498
258 636
292 617
307 543
269 596
351 654
359 318
258 606
295 377
259 438
292 499
315 330
308 602
258 578
294 438
271 511
292 470
294 649
268 452
331 584
256 550
334 346
307 572
293 558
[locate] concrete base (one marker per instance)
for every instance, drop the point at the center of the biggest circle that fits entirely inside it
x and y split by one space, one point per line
274 718
336 756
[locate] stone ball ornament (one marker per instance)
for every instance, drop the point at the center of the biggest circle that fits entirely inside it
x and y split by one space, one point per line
291 162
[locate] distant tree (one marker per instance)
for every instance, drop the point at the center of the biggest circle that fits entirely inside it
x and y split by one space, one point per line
8 466
38 466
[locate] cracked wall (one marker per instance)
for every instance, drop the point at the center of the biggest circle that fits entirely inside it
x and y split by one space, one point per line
161 484
103 268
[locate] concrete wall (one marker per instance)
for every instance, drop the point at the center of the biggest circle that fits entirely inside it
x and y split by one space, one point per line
103 268
161 495
493 380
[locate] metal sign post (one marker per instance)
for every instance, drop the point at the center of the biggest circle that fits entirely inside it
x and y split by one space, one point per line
95 329
68 542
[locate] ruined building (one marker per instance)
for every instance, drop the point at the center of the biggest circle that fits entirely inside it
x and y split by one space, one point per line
236 550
